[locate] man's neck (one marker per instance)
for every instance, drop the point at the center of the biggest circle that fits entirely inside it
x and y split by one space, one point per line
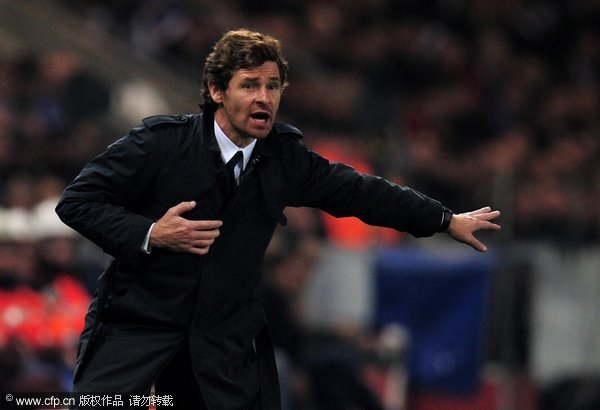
228 148
235 138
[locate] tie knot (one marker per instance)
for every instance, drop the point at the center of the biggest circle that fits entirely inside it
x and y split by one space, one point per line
237 158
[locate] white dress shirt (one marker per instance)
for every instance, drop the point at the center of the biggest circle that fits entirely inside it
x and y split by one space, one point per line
229 149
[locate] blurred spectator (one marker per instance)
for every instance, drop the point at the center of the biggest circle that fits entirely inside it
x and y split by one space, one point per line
17 262
42 299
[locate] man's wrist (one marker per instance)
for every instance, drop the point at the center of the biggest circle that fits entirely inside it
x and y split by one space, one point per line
446 219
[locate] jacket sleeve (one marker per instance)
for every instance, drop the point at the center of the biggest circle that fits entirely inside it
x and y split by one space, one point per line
342 191
101 202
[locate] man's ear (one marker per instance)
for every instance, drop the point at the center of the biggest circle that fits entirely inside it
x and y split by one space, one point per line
215 93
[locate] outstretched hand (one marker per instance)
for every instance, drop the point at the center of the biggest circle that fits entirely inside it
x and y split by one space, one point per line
463 226
175 233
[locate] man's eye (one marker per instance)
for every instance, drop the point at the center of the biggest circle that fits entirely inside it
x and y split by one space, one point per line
248 86
274 86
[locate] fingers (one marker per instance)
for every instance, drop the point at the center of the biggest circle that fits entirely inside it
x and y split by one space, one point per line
484 225
204 238
200 248
198 251
484 213
491 227
486 216
485 209
484 222
176 233
182 208
205 225
463 226
202 235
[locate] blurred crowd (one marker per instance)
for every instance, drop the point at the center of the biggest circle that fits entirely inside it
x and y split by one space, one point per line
470 102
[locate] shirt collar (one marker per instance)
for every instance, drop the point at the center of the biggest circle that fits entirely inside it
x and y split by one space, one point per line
228 148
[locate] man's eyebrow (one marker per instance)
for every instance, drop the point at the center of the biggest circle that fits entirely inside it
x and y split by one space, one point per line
257 78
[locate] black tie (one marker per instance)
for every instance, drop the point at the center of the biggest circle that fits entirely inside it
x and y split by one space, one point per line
239 156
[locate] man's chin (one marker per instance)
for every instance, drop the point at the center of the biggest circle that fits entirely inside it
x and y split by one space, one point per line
248 137
260 134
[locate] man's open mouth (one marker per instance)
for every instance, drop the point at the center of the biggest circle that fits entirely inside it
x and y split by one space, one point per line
261 116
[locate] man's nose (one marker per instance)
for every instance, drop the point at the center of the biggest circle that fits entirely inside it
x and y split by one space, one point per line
263 95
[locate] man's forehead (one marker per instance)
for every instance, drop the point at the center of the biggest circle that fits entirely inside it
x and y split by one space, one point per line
269 70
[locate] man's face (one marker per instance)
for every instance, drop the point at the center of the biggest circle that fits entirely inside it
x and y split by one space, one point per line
247 108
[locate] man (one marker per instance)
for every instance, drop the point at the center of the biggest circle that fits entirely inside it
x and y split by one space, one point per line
180 299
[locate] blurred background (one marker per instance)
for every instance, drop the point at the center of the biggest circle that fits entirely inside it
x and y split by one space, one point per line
473 103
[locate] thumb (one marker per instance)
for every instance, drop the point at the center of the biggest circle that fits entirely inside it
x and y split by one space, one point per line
182 207
477 245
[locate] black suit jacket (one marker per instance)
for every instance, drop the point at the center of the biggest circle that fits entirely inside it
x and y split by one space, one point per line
170 159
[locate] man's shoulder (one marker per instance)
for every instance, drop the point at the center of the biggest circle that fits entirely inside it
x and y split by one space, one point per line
157 129
282 128
156 121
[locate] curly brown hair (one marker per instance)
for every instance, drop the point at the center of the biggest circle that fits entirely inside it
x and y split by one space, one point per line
240 49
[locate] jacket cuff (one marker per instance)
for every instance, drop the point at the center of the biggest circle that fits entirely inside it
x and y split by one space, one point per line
446 219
